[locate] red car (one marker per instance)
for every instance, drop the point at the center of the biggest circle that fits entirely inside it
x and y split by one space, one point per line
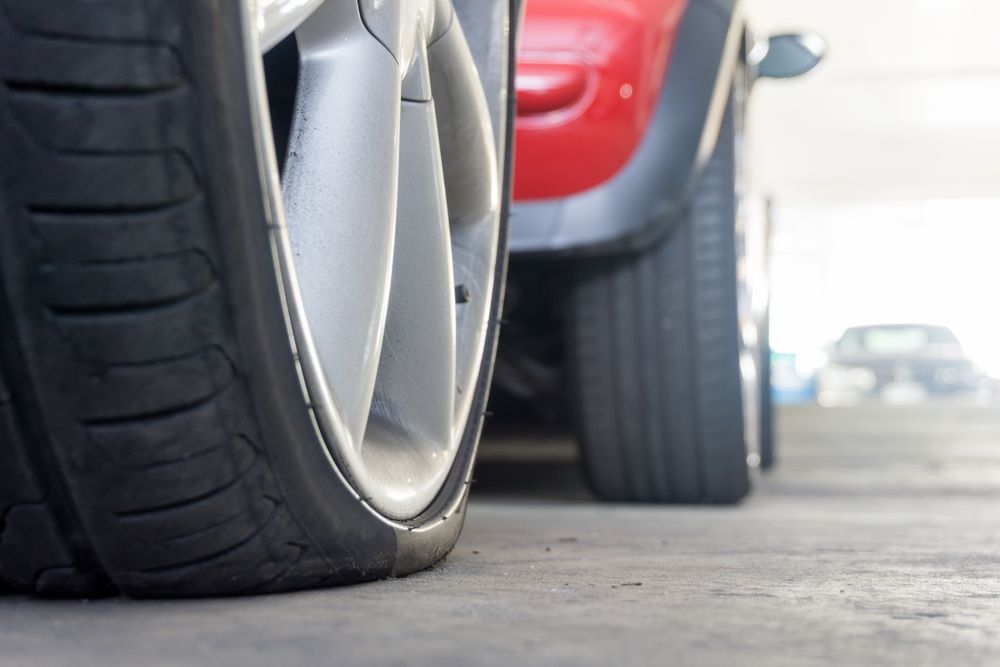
630 280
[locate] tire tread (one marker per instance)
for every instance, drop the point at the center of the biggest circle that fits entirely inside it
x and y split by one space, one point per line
653 343
165 490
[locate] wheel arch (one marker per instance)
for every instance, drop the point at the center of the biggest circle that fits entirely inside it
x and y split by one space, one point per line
640 201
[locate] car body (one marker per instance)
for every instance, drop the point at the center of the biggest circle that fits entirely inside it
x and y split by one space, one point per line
618 105
898 363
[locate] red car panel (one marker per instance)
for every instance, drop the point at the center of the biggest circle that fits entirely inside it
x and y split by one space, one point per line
589 75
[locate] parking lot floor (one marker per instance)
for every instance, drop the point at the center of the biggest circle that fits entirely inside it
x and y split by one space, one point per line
876 540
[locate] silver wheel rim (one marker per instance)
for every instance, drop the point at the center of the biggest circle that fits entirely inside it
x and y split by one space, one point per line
385 230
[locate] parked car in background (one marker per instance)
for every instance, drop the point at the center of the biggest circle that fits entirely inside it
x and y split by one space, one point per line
899 363
628 308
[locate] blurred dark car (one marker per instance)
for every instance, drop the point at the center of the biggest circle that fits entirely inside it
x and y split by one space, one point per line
899 363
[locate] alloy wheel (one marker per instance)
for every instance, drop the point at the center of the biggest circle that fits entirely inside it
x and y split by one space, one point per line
385 224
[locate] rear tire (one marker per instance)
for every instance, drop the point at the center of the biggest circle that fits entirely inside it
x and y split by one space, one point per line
655 350
154 437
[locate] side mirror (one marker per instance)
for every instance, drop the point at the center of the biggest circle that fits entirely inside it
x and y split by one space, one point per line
790 55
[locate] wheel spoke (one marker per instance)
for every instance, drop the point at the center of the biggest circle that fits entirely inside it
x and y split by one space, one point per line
468 147
467 141
277 19
339 189
415 391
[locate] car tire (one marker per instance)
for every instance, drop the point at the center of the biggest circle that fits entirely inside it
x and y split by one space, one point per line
156 435
654 348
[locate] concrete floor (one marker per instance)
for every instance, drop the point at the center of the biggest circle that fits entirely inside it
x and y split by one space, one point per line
877 541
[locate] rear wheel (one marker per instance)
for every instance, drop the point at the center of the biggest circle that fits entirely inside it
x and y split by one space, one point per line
221 378
654 343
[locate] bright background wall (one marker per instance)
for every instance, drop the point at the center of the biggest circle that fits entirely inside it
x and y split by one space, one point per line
884 168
